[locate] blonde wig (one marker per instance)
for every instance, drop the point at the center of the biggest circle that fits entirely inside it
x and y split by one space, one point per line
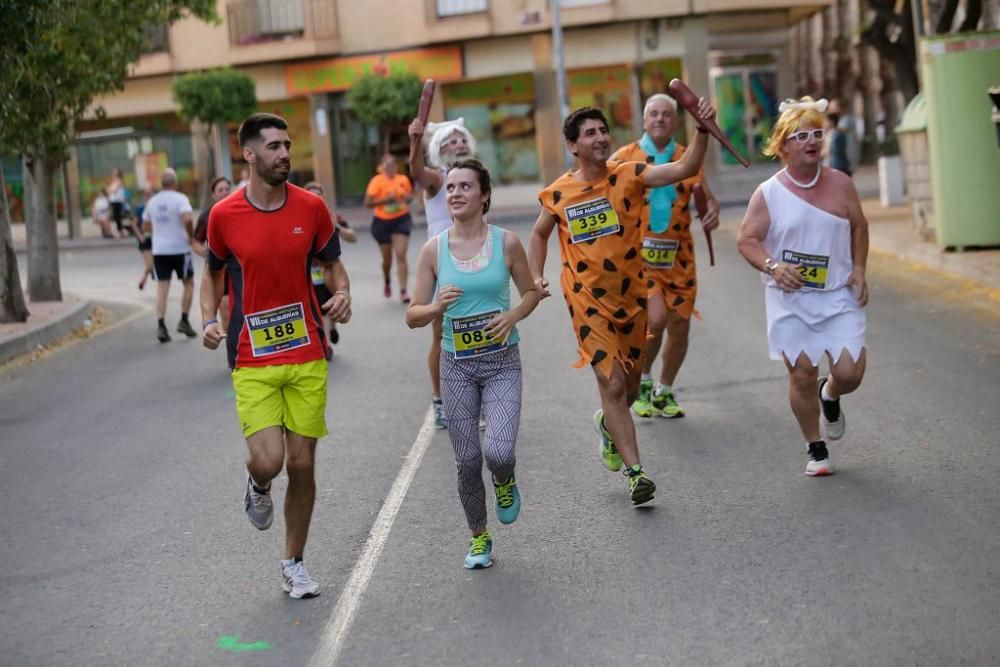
794 114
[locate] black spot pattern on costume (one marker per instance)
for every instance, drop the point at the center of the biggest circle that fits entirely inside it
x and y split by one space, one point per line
680 188
639 168
591 311
628 204
612 179
591 241
650 284
566 264
678 301
599 356
556 196
677 227
609 265
627 329
581 266
690 283
584 332
612 328
684 263
620 313
634 353
577 287
598 292
632 252
642 301
650 159
626 282
672 285
621 231
571 310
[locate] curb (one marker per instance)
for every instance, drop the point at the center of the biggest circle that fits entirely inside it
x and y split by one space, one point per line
45 334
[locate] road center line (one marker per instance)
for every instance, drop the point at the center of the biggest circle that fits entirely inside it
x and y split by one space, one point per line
336 629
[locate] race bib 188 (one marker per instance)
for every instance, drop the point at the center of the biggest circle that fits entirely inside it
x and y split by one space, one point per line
471 339
277 329
812 268
591 220
659 253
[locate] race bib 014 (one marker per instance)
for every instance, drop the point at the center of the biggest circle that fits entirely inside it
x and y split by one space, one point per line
277 329
471 339
659 253
812 268
592 219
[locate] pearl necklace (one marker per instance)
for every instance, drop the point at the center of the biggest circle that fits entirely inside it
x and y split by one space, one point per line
810 184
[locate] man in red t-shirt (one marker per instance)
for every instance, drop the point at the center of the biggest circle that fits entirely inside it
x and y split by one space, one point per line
266 237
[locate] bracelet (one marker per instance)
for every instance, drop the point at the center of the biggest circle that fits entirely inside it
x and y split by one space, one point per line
204 325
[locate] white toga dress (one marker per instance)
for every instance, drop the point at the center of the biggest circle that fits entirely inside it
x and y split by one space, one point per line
824 316
436 210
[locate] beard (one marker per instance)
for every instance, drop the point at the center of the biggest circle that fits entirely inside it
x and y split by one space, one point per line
271 174
449 158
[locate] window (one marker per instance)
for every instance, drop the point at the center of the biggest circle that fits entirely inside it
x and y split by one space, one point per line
260 20
459 7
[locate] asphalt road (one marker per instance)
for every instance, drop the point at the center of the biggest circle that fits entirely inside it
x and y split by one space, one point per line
124 541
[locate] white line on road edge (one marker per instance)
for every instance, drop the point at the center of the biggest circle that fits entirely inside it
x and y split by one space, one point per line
336 629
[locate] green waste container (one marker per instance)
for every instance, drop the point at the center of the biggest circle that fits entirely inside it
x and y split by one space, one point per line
915 151
965 159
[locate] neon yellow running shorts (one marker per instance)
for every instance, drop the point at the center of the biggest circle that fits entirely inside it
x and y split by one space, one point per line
289 395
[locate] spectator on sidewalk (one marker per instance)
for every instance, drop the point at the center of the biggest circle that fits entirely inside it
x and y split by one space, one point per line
101 214
836 145
118 197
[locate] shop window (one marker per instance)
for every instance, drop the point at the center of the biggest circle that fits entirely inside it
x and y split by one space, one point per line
608 89
460 7
500 114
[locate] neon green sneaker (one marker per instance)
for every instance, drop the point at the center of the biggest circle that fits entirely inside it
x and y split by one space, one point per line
642 407
612 459
480 551
665 405
640 486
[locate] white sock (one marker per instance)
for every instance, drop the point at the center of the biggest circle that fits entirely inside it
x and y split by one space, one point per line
262 487
825 394
646 377
662 389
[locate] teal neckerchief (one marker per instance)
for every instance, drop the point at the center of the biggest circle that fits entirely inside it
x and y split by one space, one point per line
661 200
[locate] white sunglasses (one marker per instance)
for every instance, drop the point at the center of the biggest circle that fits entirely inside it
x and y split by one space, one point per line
803 135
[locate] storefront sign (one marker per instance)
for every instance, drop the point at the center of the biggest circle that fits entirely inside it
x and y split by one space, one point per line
338 74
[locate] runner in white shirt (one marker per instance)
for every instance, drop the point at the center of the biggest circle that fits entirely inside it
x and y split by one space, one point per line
805 231
449 142
169 218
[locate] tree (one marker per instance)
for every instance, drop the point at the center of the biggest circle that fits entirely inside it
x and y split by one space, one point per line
214 98
382 99
12 306
57 55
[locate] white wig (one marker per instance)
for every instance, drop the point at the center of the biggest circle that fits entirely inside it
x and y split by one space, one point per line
439 133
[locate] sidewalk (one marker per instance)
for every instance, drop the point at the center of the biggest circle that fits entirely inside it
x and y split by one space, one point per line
891 232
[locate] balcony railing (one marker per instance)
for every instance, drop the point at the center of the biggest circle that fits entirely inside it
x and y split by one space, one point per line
253 21
460 7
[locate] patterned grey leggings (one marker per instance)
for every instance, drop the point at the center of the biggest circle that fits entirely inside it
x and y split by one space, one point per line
493 382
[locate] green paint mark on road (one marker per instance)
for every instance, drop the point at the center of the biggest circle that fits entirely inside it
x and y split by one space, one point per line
231 394
232 643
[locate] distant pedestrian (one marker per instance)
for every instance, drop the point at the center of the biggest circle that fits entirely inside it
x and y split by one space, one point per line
318 273
389 193
145 241
101 214
169 218
220 189
118 197
836 145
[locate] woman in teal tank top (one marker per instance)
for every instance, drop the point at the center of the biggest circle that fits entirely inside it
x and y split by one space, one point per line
471 266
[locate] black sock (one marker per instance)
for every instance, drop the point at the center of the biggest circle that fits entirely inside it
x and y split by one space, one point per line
297 559
162 324
184 317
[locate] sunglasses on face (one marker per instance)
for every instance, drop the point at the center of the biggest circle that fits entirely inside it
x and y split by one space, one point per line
803 135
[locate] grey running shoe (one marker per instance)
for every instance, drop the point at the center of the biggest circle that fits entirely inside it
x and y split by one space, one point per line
297 582
185 328
258 506
162 334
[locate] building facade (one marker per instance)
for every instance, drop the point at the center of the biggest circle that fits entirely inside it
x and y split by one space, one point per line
493 60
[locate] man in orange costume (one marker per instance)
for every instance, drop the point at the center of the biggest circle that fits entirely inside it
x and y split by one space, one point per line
668 255
597 210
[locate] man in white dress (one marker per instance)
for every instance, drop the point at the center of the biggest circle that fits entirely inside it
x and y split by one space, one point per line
449 142
804 230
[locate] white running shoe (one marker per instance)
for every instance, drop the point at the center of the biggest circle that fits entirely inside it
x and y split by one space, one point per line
258 506
834 422
819 460
297 582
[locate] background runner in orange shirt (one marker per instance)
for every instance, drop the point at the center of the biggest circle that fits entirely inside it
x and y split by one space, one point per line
389 193
597 211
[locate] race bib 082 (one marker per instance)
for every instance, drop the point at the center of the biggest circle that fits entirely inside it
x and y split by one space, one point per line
277 329
812 268
471 339
592 219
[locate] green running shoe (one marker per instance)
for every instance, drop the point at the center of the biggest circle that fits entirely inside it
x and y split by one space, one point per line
508 500
612 459
480 550
640 486
665 405
642 407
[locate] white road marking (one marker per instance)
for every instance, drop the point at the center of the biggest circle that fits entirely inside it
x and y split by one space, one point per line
336 629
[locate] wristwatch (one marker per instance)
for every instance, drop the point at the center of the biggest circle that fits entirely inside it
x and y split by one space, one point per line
770 266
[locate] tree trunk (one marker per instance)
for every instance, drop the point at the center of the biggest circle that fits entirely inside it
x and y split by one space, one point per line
12 306
223 158
847 78
869 92
43 240
890 106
